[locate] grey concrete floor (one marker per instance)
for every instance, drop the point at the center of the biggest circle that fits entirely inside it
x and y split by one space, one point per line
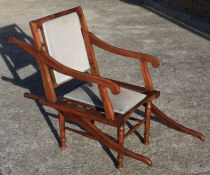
28 132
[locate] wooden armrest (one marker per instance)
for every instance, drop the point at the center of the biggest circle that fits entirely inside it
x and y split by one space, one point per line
141 56
44 58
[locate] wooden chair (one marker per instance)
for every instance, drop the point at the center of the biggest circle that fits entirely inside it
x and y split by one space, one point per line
63 47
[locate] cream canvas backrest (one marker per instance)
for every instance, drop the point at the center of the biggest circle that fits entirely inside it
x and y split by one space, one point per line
65 43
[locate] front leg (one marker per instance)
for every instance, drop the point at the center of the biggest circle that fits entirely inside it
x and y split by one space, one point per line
147 122
120 138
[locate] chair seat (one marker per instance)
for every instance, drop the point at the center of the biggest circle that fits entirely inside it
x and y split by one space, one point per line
88 93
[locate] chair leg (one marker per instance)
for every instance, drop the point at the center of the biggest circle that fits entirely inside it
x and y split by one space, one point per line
62 131
148 107
106 140
171 123
120 138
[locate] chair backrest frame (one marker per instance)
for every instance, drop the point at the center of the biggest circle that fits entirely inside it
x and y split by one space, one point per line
40 44
48 77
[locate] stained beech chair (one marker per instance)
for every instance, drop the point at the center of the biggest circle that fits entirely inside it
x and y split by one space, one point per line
63 47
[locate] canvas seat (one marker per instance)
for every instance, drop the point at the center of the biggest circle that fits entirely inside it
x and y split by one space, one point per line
88 93
63 48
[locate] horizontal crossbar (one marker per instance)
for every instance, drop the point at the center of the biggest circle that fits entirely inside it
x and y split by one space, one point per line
135 127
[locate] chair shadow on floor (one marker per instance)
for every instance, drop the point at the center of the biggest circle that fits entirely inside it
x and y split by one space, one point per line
16 59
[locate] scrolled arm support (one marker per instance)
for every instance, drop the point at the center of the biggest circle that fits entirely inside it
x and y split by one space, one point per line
146 76
140 56
44 58
143 58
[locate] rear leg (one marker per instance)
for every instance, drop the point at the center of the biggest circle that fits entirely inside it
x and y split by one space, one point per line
62 131
120 138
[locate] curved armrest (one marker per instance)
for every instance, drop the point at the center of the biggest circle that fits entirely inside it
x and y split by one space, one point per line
44 58
141 56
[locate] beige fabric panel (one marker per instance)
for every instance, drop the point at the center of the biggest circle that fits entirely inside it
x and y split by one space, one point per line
66 44
88 93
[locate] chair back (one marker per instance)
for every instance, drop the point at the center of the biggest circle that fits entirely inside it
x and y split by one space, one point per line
65 43
64 36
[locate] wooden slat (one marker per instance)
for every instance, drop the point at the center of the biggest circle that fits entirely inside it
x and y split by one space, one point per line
135 127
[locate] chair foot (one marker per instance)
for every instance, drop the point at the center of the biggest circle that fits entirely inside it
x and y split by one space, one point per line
171 123
146 139
119 163
63 144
